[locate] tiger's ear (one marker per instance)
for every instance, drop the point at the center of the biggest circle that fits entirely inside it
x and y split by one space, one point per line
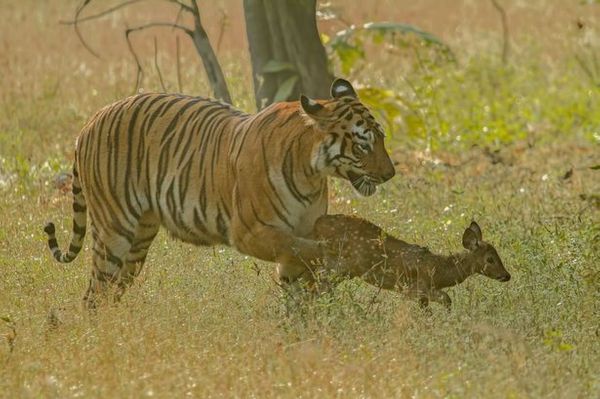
310 106
314 114
342 88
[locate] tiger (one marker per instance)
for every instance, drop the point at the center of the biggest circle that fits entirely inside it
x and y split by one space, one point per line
211 174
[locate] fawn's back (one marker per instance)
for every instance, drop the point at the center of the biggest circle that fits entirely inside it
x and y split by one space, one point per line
358 248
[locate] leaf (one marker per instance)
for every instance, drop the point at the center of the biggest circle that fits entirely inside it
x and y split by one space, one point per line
285 89
274 66
348 56
379 28
384 102
347 44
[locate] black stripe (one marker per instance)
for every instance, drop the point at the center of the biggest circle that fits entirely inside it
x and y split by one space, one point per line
74 249
79 230
140 259
287 171
221 226
52 243
290 117
170 103
266 165
258 219
109 257
142 244
238 204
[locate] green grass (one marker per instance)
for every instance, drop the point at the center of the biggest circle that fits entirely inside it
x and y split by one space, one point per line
208 322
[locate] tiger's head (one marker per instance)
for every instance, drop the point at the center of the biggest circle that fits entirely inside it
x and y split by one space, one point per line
352 144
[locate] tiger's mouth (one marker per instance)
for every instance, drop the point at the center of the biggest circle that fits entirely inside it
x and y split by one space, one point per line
365 185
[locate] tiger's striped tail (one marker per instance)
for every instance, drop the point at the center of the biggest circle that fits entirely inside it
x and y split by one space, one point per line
79 226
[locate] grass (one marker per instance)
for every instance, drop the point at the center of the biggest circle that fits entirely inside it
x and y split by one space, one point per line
207 322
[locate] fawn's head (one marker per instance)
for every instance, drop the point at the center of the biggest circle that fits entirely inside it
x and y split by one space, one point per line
485 259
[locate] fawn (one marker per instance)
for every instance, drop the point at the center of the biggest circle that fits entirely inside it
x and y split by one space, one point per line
355 247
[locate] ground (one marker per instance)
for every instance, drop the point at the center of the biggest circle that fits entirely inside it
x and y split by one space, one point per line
513 146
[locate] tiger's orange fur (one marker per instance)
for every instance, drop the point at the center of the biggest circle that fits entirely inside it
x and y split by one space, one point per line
211 174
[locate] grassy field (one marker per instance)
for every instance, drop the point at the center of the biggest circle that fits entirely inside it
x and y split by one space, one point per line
512 146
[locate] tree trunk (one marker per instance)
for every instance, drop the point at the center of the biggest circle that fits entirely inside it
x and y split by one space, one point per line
284 34
259 37
209 59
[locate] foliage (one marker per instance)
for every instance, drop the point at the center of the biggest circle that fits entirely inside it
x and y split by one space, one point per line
348 45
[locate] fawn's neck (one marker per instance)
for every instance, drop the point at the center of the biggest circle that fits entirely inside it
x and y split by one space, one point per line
454 270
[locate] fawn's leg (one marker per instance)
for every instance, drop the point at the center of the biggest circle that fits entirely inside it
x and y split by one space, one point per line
441 297
418 292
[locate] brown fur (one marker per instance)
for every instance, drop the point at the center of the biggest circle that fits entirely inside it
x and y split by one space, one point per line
357 248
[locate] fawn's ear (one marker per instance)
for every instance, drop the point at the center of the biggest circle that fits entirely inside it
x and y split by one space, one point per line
477 230
469 239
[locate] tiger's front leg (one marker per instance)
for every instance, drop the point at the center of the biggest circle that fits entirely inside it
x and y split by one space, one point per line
297 257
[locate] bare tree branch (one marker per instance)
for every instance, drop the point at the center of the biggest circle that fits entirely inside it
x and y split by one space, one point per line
223 25
160 77
182 7
179 86
178 16
78 20
140 71
209 58
197 34
505 40
78 32
587 70
100 14
163 24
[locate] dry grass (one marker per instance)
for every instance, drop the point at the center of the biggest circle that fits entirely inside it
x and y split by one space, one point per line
202 322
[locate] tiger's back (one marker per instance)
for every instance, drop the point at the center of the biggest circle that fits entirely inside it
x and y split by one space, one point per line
158 155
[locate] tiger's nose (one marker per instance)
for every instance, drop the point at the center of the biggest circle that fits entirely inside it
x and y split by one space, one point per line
388 173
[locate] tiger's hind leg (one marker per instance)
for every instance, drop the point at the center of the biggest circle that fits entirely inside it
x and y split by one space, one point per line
118 258
108 259
145 233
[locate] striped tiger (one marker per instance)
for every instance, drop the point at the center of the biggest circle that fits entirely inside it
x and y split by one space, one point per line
211 174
